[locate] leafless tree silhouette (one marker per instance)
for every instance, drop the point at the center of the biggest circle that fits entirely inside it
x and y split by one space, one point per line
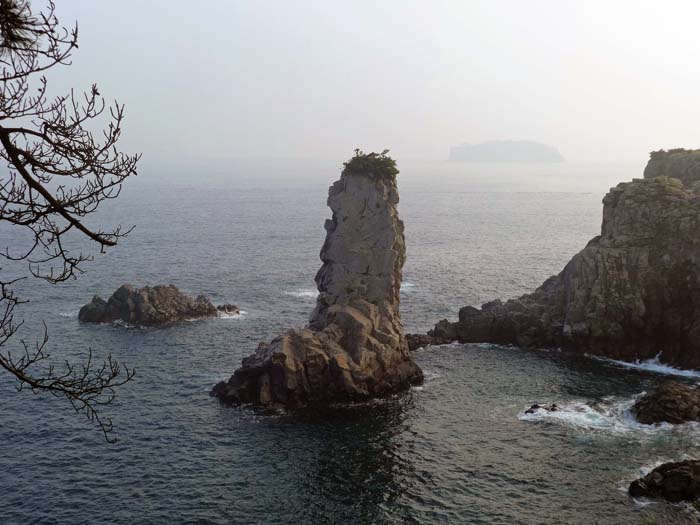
59 170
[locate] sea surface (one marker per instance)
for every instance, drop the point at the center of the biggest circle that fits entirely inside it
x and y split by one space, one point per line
458 449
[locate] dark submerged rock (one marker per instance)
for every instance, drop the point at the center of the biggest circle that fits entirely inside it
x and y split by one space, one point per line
671 402
674 482
229 309
548 408
416 341
147 306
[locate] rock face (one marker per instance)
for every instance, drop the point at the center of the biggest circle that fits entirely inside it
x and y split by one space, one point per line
354 346
681 164
633 292
672 481
671 402
149 306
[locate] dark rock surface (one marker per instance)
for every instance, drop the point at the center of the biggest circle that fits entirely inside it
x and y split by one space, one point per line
229 309
632 292
354 347
548 408
671 402
416 341
147 306
674 482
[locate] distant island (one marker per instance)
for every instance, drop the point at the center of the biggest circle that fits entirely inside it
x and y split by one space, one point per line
505 151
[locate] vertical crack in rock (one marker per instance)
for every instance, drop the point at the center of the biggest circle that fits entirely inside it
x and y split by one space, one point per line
354 346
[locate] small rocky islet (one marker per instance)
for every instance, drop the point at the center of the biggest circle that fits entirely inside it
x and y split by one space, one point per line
161 305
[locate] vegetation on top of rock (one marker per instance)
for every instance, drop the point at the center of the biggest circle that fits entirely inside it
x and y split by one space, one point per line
379 165
654 155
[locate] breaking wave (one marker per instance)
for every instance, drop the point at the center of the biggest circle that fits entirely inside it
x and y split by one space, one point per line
304 293
224 315
610 415
652 365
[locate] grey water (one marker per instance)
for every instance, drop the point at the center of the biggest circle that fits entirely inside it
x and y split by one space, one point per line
458 449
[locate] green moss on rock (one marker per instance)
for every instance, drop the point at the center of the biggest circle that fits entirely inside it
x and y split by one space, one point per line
378 165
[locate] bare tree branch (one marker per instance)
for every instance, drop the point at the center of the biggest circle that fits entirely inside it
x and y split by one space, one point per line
58 172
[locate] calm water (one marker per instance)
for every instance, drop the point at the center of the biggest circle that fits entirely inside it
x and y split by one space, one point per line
457 450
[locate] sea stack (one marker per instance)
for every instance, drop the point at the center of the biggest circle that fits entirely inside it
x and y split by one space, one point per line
354 346
633 292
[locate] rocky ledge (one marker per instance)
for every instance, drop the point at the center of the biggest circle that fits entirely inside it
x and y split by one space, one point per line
150 306
671 402
679 163
672 481
632 292
354 347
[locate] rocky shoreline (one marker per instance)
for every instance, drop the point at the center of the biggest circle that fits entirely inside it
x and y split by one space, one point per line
631 293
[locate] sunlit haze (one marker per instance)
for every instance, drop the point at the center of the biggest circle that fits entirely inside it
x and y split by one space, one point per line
602 81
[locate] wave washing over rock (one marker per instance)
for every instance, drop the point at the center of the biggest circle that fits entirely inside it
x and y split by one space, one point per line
631 293
354 347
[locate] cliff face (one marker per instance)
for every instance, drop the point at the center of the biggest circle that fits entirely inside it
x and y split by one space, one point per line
681 164
632 292
354 346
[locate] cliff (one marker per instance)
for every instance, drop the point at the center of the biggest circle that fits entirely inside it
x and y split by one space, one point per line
681 164
354 346
633 292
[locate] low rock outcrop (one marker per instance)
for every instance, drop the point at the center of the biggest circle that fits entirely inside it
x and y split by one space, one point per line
631 293
150 306
674 482
547 408
416 341
354 346
671 402
681 164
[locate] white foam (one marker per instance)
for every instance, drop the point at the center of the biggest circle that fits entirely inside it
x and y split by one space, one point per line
224 315
611 415
407 286
614 417
429 375
304 293
652 365
71 314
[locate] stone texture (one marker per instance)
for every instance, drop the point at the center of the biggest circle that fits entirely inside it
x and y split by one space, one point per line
674 482
681 164
416 341
147 306
631 293
354 346
671 402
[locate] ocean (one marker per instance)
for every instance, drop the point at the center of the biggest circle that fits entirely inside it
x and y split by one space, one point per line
458 449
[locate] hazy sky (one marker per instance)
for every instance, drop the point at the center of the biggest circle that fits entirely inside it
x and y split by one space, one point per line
602 80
